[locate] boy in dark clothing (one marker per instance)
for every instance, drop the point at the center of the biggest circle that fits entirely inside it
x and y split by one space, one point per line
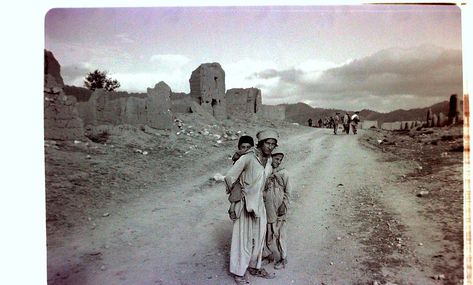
245 143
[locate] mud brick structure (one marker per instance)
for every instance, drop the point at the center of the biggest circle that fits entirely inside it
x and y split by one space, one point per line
435 120
368 124
158 106
207 86
53 68
243 102
61 118
442 121
454 109
429 118
181 102
115 108
402 125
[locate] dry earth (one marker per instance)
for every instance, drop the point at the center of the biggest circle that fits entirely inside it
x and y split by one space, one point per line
141 207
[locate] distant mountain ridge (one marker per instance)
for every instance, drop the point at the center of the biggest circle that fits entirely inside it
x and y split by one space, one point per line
301 113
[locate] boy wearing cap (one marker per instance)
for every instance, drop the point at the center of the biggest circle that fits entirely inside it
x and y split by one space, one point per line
245 143
249 229
276 200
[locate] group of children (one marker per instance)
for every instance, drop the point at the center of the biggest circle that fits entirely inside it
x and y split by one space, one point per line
276 200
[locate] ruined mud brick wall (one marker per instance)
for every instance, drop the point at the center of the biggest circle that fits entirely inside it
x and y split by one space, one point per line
270 112
442 121
181 102
243 102
207 85
158 106
179 95
112 108
368 124
115 108
391 126
52 67
61 118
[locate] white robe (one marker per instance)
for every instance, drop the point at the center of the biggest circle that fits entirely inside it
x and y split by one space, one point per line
249 229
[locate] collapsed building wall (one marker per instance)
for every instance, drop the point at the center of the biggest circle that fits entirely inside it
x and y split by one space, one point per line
181 102
368 124
115 108
61 117
242 102
158 106
402 125
207 85
53 68
271 112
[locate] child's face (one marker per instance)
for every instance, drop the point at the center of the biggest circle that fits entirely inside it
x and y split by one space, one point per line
277 159
245 146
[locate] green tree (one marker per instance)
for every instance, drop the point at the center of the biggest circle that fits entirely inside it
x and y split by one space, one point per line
99 80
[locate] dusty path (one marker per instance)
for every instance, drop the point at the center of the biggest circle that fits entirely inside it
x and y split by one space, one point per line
180 233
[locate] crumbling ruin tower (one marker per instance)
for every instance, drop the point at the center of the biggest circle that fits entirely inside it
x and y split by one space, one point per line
207 84
53 68
242 102
61 118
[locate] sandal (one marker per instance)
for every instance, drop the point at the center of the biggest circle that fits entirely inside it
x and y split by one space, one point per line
281 264
267 260
240 279
261 273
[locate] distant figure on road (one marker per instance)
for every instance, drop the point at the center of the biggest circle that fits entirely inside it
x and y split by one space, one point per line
346 123
336 122
249 229
331 122
276 199
320 123
245 143
355 119
309 122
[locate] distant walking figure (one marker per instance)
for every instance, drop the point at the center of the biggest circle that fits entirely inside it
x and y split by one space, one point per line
355 119
346 123
336 122
249 229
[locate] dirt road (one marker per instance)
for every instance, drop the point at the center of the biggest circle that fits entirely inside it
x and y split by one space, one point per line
351 222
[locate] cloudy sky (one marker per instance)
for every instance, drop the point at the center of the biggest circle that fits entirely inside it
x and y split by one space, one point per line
379 57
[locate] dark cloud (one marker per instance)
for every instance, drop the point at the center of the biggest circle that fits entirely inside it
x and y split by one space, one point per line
387 79
289 75
72 72
421 72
